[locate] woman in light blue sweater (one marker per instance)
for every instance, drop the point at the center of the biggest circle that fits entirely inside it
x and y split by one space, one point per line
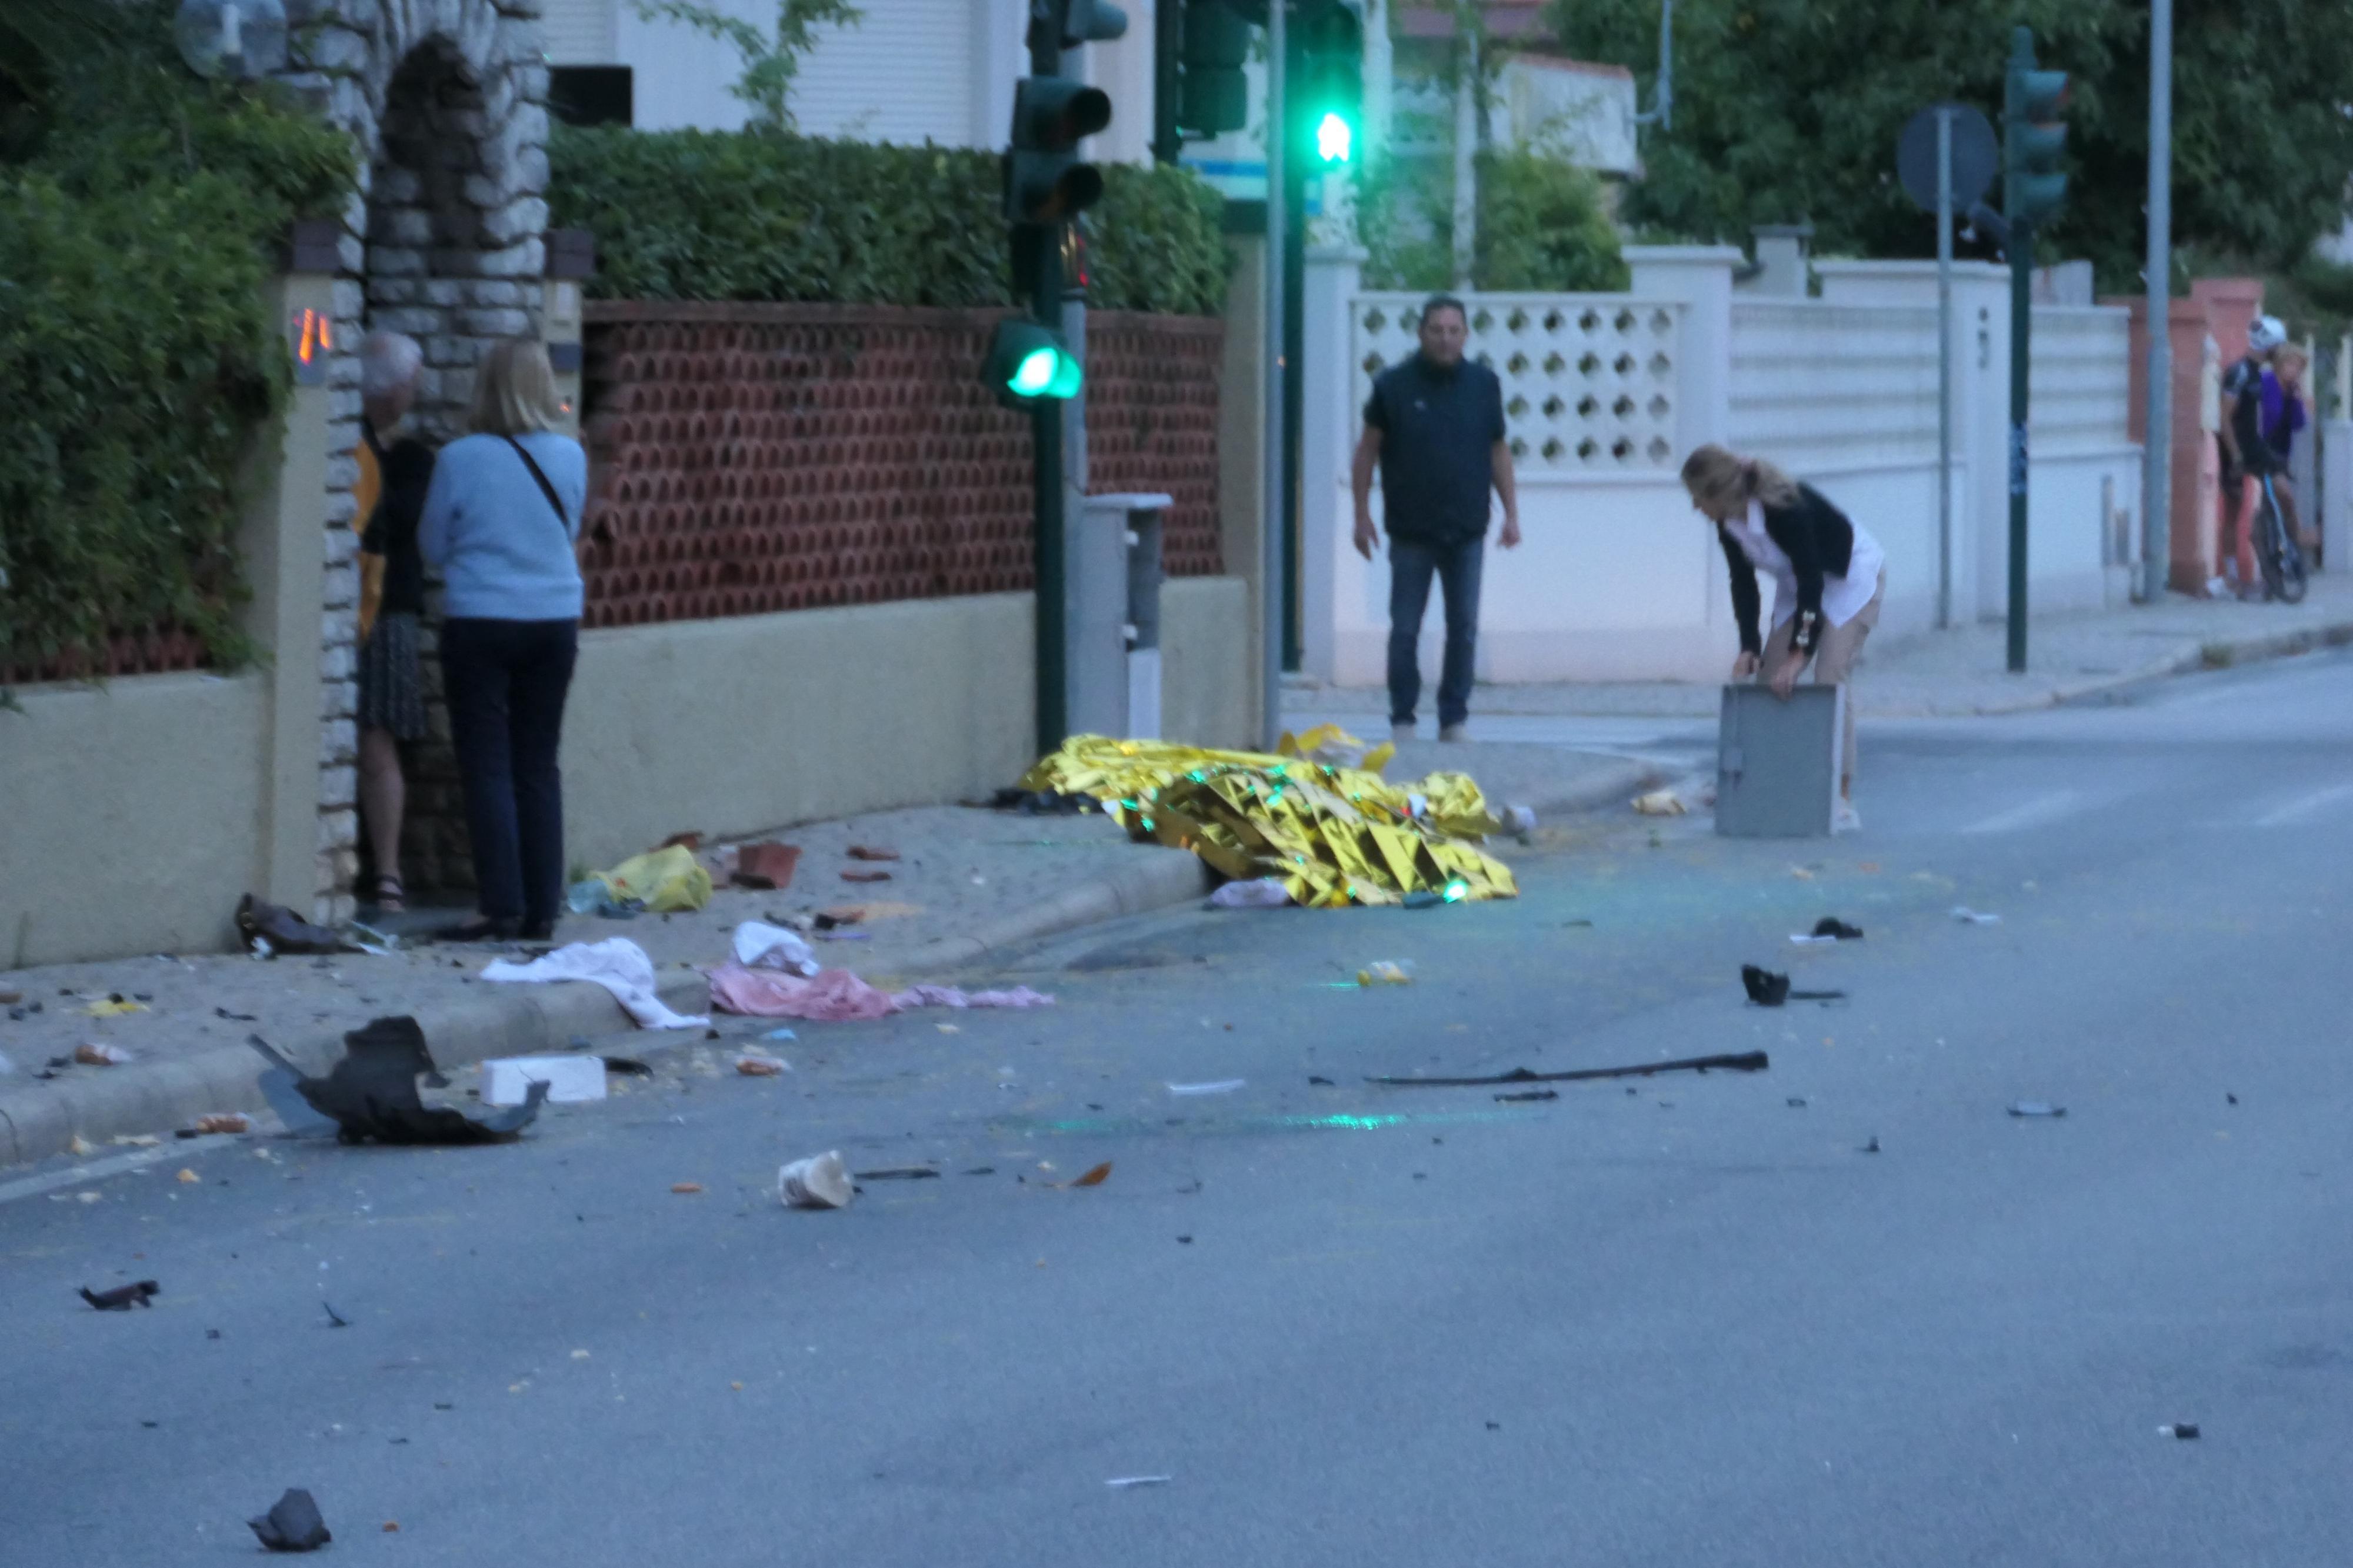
502 523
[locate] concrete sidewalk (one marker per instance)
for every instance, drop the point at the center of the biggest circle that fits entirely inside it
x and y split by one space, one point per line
969 885
1963 671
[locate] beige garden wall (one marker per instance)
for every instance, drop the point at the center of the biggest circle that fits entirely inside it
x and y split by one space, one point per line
756 721
131 816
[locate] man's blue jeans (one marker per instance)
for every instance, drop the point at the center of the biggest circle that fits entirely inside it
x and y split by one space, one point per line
1456 563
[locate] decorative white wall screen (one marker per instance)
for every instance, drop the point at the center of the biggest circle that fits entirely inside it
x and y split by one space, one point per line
1589 380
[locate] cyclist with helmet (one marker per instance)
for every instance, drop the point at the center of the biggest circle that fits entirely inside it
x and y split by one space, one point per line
2247 456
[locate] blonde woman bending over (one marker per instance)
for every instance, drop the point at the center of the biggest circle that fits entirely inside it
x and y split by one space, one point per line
1829 576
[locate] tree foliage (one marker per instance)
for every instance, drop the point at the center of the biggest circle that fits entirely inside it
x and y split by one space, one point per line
1544 225
1789 110
139 208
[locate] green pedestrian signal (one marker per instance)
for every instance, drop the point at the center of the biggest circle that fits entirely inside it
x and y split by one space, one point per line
1335 139
2034 136
1328 83
1029 364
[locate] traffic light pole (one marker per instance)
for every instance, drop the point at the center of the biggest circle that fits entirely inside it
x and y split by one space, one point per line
1041 249
1050 518
1295 353
1944 368
2021 334
2156 488
1167 49
1274 588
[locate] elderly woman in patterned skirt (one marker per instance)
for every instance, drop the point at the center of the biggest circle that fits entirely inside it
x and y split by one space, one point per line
391 695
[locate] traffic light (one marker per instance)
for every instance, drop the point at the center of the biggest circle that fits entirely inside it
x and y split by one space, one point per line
1329 84
1091 22
2035 135
1029 364
1046 182
1212 94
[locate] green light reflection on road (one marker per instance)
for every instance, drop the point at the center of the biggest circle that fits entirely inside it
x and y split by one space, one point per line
1337 1122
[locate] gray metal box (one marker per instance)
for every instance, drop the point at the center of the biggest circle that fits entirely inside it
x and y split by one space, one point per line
1777 762
1113 616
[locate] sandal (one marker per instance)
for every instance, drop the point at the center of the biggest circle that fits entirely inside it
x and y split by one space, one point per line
391 898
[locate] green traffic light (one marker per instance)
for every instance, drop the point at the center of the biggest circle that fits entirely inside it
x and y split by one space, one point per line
1029 364
1034 376
1335 138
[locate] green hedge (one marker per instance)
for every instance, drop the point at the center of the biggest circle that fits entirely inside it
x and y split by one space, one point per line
1544 226
693 214
138 211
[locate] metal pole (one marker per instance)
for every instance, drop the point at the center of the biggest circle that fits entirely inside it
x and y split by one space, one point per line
2157 487
1944 368
2021 336
1466 153
1167 49
1043 249
1274 578
1295 353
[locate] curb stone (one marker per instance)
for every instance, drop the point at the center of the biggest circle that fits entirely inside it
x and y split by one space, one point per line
519 1020
2219 653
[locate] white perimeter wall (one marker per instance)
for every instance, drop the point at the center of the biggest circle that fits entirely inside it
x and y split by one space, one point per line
1605 393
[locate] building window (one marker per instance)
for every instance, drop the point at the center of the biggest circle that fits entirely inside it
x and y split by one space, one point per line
591 95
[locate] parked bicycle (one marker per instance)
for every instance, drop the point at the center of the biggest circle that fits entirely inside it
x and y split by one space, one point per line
2276 551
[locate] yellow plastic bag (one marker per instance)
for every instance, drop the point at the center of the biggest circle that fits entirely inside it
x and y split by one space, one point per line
669 880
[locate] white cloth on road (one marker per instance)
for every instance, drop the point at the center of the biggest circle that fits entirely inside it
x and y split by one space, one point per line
759 945
616 964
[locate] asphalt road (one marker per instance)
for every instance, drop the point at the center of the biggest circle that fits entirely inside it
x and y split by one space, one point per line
1678 1321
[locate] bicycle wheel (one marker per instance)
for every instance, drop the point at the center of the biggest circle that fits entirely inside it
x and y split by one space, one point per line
2271 544
2292 572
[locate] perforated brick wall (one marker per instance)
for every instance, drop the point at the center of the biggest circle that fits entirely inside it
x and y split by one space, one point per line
158 651
749 458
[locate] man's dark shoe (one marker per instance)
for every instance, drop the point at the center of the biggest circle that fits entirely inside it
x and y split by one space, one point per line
482 928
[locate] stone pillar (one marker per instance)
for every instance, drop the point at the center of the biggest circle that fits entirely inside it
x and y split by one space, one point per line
1698 277
446 102
285 553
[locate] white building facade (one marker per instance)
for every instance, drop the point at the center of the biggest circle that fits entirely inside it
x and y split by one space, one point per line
911 72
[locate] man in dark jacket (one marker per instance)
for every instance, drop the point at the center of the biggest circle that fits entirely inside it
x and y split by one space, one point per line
1435 427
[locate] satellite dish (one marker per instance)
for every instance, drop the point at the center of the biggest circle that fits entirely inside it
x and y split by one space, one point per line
232 41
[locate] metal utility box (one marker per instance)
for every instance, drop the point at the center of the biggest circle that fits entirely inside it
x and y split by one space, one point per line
1777 762
1114 617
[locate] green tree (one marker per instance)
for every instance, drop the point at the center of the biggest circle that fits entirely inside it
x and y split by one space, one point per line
1544 225
772 60
1788 109
139 207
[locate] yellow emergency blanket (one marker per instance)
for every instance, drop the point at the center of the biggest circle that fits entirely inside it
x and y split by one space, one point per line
1334 835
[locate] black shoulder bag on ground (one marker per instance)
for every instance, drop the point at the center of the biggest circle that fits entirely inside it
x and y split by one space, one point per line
544 487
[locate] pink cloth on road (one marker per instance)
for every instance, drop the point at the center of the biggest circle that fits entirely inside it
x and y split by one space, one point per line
833 996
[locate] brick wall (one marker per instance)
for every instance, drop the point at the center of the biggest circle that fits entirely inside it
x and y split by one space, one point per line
749 458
